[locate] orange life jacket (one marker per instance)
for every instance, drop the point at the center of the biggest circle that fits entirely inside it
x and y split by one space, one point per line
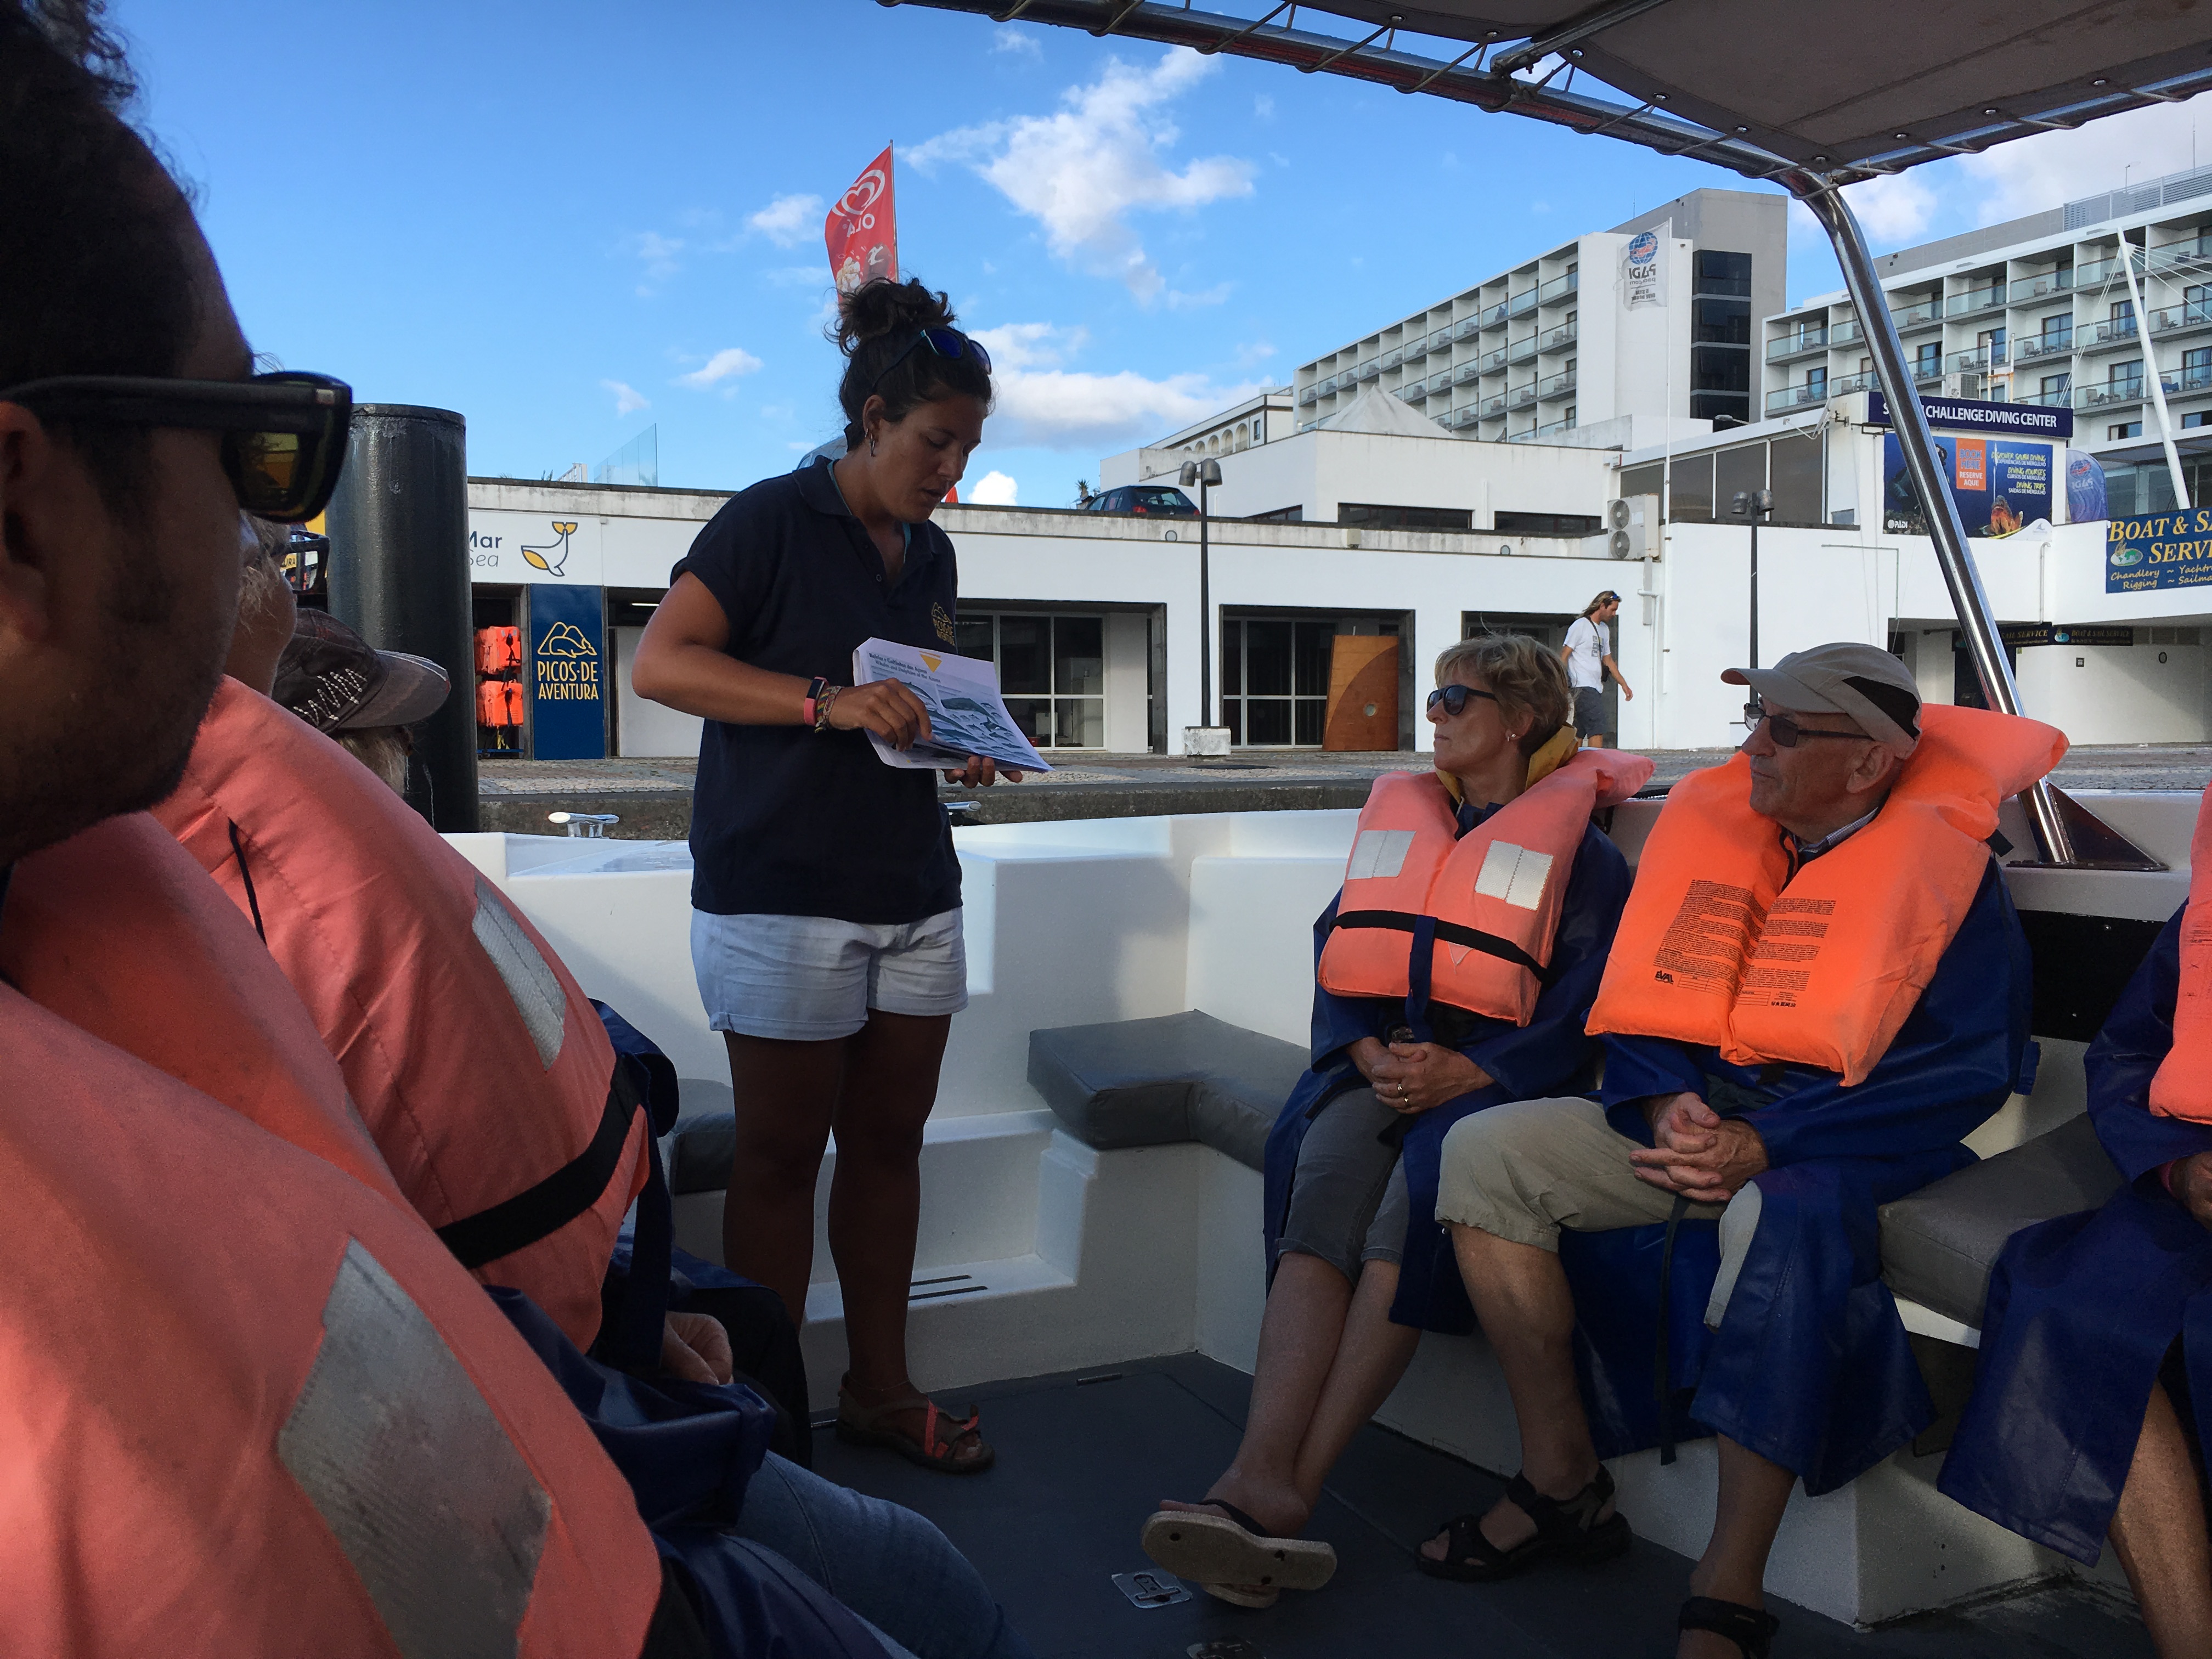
1721 946
1494 894
514 702
2183 1084
479 1064
499 704
499 650
250 1405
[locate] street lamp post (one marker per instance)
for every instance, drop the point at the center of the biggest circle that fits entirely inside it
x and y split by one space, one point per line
1204 475
1754 505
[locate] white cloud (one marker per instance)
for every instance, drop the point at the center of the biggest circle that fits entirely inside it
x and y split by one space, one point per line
1020 42
2051 167
659 254
789 220
995 490
1264 107
1894 208
727 364
1082 172
1045 405
627 399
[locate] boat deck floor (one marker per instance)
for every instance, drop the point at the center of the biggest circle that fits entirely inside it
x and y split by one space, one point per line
1083 1456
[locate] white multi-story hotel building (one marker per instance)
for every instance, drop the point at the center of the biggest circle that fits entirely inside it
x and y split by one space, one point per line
1520 356
2037 310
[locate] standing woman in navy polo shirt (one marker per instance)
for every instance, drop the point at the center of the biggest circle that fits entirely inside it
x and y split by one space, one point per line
825 926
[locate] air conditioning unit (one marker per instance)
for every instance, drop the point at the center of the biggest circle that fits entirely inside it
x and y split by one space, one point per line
1632 523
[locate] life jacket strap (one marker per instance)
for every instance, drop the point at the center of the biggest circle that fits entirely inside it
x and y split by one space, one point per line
542 1210
1451 933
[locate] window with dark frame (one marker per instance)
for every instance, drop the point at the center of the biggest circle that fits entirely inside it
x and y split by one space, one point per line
1052 672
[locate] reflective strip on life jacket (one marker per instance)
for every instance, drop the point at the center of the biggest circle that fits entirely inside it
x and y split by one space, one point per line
1484 904
2182 1087
1721 946
482 1070
250 1405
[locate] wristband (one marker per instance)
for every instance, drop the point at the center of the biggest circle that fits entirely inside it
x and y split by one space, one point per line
809 712
824 704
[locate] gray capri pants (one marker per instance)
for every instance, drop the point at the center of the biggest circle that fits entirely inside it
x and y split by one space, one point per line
1348 1197
1521 1172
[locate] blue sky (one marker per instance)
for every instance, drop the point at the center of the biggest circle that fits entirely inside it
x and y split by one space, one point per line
569 221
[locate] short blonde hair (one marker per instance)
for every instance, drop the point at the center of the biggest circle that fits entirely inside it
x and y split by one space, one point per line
1525 677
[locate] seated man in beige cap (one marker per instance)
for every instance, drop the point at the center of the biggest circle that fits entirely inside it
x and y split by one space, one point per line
1818 987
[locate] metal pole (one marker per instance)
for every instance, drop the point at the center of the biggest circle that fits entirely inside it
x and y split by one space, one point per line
1204 613
1754 587
1945 528
400 578
2150 355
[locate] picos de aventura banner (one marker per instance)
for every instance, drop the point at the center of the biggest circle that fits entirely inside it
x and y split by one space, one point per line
2001 485
2163 549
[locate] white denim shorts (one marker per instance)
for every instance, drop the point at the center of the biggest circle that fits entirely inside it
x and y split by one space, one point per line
811 979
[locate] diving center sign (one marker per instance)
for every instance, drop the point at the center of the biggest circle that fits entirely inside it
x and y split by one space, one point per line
566 676
2163 549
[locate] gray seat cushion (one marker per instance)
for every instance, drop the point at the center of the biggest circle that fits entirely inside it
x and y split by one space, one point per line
701 1152
1181 1077
1939 1244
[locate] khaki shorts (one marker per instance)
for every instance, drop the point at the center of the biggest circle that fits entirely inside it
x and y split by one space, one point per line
1523 1171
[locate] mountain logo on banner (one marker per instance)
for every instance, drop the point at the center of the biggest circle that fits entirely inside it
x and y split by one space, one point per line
566 640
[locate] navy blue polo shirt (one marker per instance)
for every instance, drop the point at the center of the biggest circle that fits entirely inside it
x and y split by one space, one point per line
786 821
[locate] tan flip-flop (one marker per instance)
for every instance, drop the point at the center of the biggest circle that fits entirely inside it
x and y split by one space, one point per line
1234 1554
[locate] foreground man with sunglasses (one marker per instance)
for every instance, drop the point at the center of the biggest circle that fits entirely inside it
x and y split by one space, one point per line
253 1405
1818 988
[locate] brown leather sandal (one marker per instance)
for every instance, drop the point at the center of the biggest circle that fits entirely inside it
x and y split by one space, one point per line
941 1432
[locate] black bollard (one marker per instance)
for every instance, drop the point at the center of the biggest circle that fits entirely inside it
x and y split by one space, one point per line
399 577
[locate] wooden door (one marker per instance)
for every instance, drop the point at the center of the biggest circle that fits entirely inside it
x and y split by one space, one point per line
1363 693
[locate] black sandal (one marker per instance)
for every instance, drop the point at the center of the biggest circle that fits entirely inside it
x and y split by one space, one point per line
1565 1528
1751 1630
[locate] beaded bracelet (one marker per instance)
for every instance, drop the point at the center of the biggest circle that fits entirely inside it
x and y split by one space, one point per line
822 704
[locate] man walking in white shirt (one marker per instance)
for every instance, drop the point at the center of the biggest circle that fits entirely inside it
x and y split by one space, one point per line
1589 656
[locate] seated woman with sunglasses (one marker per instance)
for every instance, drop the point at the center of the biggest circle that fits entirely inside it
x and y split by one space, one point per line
826 924
1454 971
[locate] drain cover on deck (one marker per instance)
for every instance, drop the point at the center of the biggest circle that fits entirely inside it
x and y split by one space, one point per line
1152 1588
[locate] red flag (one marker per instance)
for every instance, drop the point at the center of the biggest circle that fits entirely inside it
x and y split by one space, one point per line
862 229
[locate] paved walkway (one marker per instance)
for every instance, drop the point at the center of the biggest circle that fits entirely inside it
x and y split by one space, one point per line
652 797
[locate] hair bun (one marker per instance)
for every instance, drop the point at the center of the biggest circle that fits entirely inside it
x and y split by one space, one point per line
883 307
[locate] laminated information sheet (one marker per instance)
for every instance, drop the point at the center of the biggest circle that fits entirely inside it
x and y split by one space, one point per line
967 715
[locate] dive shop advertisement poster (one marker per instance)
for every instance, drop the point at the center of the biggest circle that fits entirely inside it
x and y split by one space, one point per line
2162 549
2001 486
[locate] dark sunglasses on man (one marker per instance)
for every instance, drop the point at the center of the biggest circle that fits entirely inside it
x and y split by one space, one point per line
1453 698
947 343
283 434
1785 731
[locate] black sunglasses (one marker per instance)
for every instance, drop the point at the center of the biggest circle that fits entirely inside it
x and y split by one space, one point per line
1453 698
1785 731
946 342
283 434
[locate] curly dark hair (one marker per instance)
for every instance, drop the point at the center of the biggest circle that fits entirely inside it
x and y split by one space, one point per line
875 324
94 278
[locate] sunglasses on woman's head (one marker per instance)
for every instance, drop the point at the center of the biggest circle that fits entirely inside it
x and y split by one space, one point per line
283 434
1453 698
946 342
1785 731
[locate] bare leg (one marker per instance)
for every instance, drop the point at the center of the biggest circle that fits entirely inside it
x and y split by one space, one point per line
1300 1335
1520 1293
1753 1494
2158 1534
786 1093
1370 1360
875 1200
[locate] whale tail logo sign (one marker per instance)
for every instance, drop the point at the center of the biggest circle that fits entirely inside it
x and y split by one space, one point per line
565 640
554 559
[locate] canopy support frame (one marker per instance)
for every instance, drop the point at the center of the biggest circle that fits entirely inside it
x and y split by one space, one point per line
2053 816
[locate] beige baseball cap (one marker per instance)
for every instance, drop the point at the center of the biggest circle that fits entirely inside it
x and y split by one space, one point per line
1863 681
